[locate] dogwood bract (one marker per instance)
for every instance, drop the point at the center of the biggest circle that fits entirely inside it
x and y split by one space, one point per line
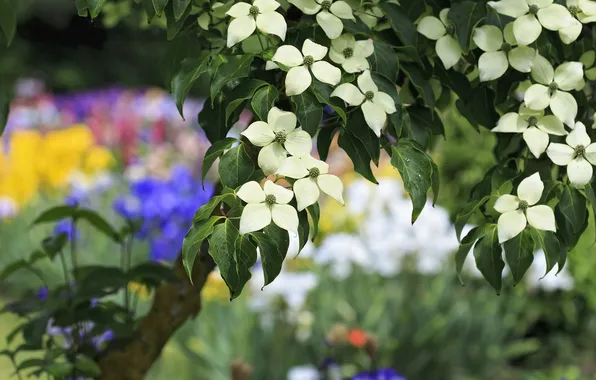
351 54
264 206
583 11
374 103
579 154
260 15
370 14
441 30
500 52
519 211
329 14
552 86
531 16
534 125
312 175
298 78
276 136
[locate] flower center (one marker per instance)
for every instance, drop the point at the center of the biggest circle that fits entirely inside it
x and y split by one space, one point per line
207 6
534 9
348 52
270 199
532 121
253 11
280 137
553 87
573 10
326 5
450 30
506 47
523 205
314 172
369 95
308 60
580 151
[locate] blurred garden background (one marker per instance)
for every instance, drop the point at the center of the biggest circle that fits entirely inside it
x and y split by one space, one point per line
92 124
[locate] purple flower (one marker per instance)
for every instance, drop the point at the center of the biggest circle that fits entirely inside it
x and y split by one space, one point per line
65 226
42 293
380 374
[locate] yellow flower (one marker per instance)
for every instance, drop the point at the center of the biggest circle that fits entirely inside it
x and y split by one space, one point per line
98 159
140 291
215 289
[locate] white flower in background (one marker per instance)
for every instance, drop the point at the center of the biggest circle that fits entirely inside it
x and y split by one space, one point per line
299 78
536 276
374 103
276 136
441 30
260 15
584 12
531 16
351 54
329 14
304 372
534 125
341 252
311 175
579 154
518 211
264 206
499 53
370 13
8 208
552 86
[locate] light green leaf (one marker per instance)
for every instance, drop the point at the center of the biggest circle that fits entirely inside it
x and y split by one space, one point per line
191 245
93 7
87 366
180 7
205 211
235 167
159 6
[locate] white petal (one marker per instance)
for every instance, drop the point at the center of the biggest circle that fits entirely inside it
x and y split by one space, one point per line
240 29
506 203
298 143
375 116
530 189
288 55
266 6
342 10
282 195
564 106
540 3
311 162
492 65
536 140
510 224
298 80
541 217
587 6
560 154
542 70
349 94
488 38
526 29
431 28
578 136
281 120
366 83
308 7
537 97
331 24
364 48
326 72
521 58
551 125
286 217
259 133
272 23
555 17
313 49
525 112
511 8
332 186
355 64
510 123
568 75
385 101
579 171
255 216
508 34
345 41
571 33
271 158
307 193
337 56
239 10
293 168
448 50
444 16
591 153
251 192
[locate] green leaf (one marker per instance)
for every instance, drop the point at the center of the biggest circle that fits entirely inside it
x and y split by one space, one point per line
480 108
235 167
235 67
572 206
309 111
591 197
421 82
243 92
324 139
415 168
87 366
465 15
315 214
8 26
489 260
174 25
465 247
357 127
245 257
4 109
149 9
89 6
401 23
413 8
54 244
273 244
357 153
159 6
190 70
426 119
99 223
212 119
303 229
323 93
180 7
55 214
464 216
150 274
519 252
195 236
13 267
548 242
384 60
222 248
98 281
59 370
263 100
213 153
207 209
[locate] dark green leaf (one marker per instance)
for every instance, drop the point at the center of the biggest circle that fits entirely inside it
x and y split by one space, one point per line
548 242
357 153
92 7
13 267
150 273
35 329
356 27
384 61
464 216
465 247
212 119
54 244
273 244
99 223
195 236
190 70
401 23
59 370
31 363
174 25
180 7
234 67
55 214
465 15
149 9
309 111
207 209
303 229
222 248
87 366
357 127
480 108
426 119
263 100
245 257
159 6
325 138
98 281
8 26
413 8
572 206
323 93
315 214
241 93
235 167
436 182
421 82
489 257
4 109
519 252
213 153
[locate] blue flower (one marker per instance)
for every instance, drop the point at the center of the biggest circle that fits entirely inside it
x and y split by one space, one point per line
42 293
380 374
65 226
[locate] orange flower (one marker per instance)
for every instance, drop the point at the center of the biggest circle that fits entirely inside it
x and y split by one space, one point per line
357 338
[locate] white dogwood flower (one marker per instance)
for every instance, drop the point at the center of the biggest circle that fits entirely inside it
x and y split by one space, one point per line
329 14
312 175
351 54
264 206
531 16
260 15
299 78
501 52
552 86
370 13
374 103
442 30
519 211
276 136
579 154
583 12
534 125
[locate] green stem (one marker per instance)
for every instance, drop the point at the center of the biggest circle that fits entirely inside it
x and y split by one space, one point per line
16 368
64 268
128 263
73 248
73 257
